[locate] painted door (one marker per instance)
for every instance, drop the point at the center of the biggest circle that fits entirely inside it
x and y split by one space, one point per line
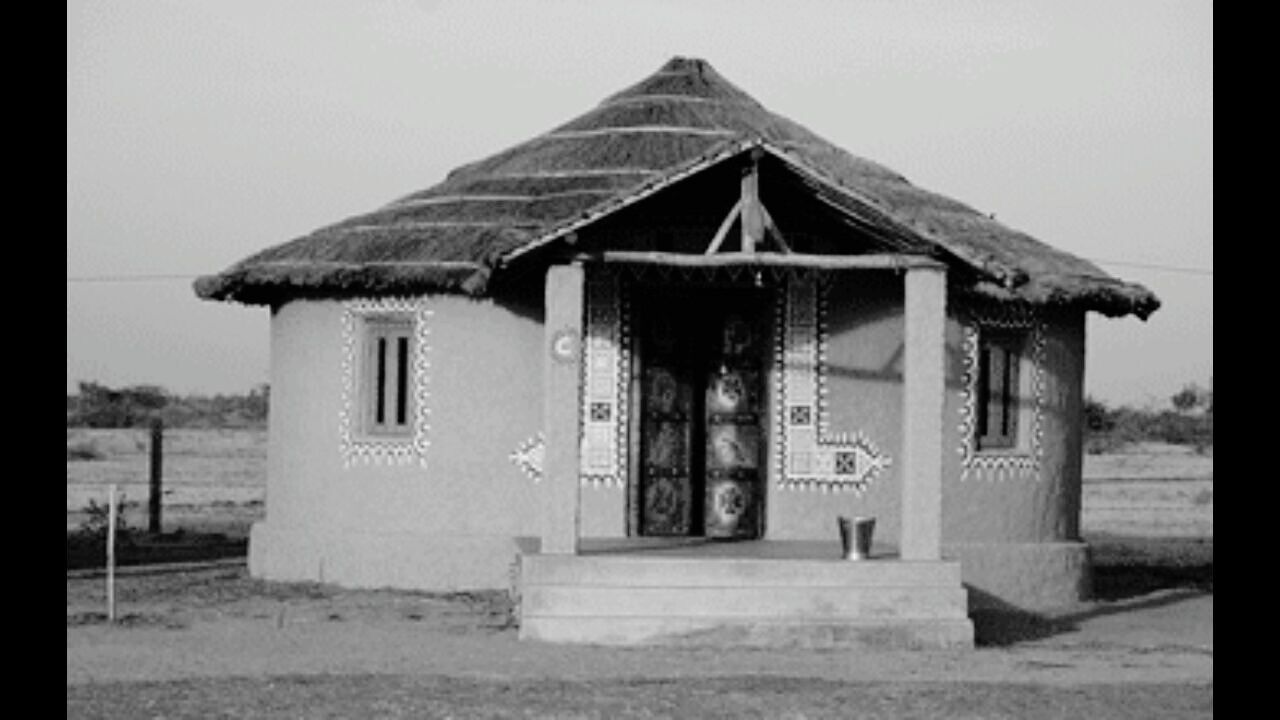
734 414
667 494
702 413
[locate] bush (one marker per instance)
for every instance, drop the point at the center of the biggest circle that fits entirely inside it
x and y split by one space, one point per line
99 406
1107 429
84 450
94 527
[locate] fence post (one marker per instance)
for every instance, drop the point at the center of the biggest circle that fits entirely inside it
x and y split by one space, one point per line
157 439
111 553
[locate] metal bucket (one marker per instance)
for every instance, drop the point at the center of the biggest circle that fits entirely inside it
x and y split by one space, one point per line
855 537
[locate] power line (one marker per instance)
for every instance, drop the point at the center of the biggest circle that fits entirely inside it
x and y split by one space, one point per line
1151 266
127 278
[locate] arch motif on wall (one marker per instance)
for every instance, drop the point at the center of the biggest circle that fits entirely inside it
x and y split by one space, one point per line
358 448
605 377
809 455
1017 462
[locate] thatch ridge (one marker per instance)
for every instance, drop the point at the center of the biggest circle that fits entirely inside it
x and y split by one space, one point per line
682 119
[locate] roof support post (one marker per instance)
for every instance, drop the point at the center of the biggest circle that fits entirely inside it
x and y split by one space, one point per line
752 213
562 372
922 408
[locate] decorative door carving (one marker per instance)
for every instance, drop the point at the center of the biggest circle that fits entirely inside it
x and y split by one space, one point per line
702 417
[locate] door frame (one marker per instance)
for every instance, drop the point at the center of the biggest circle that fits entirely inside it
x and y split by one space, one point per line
634 291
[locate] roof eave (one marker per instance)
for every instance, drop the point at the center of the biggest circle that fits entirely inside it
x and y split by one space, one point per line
271 283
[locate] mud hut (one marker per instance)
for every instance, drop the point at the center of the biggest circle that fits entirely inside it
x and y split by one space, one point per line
678 323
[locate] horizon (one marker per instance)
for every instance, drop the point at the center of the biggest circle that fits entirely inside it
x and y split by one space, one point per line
200 134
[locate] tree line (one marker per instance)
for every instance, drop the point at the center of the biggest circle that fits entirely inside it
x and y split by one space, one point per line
1187 420
98 406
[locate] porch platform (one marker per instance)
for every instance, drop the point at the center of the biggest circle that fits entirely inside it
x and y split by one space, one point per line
748 593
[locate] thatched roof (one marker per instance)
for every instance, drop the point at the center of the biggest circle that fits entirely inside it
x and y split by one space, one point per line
486 216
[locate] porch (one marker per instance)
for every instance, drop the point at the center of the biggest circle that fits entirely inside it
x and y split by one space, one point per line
764 593
754 590
761 592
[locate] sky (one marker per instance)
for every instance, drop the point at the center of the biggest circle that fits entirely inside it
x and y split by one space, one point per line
199 133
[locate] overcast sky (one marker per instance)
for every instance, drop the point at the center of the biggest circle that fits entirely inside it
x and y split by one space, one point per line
198 133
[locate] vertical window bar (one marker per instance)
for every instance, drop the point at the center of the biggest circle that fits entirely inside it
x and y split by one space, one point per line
1006 396
995 388
984 389
402 380
1011 395
380 412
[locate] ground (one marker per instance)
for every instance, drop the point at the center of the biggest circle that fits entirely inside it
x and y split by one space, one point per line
206 640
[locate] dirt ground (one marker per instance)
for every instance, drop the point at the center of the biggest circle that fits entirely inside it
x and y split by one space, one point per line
216 621
208 641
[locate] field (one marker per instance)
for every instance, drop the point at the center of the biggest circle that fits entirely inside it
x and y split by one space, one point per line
209 641
215 481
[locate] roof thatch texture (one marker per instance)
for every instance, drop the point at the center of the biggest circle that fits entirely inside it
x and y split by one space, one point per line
455 236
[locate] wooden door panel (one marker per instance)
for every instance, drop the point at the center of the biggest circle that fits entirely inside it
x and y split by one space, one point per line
702 399
734 409
667 423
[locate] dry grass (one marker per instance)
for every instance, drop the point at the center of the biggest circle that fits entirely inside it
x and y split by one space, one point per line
211 477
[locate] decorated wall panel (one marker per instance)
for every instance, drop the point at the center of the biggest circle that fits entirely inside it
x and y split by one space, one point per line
809 455
606 374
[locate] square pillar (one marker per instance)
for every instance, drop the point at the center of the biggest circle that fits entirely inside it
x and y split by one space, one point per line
923 396
562 375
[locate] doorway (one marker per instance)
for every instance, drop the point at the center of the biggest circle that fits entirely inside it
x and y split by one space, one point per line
703 405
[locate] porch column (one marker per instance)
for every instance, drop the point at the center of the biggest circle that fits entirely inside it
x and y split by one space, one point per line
562 363
922 407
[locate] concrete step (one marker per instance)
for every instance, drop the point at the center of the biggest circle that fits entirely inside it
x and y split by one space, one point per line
799 602
648 571
892 634
637 598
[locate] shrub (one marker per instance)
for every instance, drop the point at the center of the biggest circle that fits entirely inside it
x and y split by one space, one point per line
98 520
84 449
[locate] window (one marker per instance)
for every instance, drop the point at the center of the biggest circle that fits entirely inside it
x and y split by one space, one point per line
999 357
387 376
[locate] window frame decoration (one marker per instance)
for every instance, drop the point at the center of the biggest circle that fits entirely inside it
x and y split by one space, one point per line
361 438
1019 455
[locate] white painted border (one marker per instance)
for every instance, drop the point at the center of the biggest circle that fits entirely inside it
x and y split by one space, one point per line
605 379
800 377
354 446
1001 464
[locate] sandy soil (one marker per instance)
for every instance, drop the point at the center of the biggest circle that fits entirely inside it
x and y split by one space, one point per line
217 622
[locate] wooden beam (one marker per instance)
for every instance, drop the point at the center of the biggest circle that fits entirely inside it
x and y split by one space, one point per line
752 218
885 261
772 227
723 230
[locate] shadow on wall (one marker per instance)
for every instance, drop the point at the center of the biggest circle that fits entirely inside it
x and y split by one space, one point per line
891 370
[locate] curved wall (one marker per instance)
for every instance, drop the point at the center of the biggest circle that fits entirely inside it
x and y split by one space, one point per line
446 520
453 522
1012 518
